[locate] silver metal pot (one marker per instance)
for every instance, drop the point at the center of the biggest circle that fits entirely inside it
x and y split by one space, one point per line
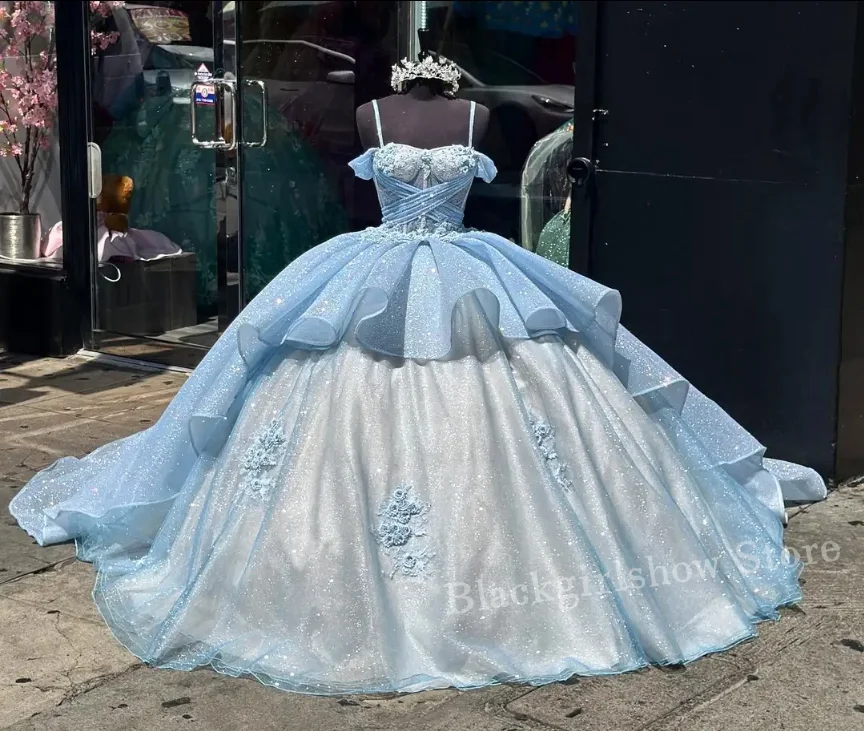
20 235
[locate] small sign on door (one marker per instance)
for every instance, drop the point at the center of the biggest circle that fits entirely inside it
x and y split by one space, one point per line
205 94
202 73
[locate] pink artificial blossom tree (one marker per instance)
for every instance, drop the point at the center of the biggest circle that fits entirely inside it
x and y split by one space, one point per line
28 87
28 81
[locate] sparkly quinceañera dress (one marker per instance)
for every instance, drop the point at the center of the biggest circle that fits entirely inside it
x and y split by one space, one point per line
425 457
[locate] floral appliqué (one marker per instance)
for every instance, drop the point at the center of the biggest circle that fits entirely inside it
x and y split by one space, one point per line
544 436
262 455
403 520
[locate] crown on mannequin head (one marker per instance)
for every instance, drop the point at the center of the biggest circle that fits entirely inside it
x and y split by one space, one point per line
428 68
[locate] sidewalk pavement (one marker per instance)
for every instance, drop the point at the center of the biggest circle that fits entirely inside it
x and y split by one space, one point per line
61 669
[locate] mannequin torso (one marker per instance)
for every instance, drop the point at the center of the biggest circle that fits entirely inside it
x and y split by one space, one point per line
421 118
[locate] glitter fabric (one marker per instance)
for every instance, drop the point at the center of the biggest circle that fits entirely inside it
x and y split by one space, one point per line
425 457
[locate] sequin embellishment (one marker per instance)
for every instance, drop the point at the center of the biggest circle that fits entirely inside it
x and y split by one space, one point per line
262 455
544 436
403 521
444 233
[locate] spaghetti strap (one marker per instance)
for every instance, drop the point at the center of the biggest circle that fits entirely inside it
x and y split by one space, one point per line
378 122
471 125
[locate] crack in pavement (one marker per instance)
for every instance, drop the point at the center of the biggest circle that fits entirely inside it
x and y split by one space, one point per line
521 716
77 661
60 563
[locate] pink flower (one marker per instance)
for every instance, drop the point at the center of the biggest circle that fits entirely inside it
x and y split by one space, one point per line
101 41
105 8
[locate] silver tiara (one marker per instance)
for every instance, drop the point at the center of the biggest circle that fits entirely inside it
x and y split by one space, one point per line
428 68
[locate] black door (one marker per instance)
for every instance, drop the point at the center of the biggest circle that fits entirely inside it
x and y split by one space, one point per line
718 200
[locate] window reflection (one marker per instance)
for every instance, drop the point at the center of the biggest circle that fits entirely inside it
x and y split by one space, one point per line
318 62
323 60
156 243
516 59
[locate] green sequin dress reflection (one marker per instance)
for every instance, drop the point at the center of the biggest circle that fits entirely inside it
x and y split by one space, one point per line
554 243
289 204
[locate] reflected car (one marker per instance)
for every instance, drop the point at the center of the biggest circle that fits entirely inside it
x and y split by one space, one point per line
523 107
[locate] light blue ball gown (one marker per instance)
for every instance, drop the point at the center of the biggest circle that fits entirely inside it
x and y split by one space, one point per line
426 457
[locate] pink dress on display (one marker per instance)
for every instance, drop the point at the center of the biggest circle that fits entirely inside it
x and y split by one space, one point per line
135 243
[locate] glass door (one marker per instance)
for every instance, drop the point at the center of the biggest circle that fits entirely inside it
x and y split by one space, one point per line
518 60
301 70
161 282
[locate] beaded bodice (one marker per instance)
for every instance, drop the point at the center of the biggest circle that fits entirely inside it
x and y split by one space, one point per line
419 189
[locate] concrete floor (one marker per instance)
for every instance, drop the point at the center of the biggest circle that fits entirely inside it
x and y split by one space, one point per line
60 668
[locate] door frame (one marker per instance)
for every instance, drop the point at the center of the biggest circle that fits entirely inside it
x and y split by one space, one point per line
227 34
586 116
74 132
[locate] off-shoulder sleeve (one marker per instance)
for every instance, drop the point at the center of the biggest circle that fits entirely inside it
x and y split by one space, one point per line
362 166
486 169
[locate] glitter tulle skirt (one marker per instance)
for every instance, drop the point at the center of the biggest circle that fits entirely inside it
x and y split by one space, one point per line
427 461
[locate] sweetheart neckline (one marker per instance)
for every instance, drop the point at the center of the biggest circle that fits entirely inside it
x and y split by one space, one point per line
420 149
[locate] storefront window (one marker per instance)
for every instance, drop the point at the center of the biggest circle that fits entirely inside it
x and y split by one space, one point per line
193 223
517 60
318 62
175 262
155 245
29 152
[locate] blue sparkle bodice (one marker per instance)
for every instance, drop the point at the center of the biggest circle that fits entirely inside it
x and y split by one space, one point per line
423 189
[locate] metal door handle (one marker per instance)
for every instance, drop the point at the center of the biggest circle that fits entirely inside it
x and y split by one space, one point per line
580 170
225 104
263 87
94 170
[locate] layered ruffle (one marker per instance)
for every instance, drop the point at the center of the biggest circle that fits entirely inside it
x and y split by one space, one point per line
397 295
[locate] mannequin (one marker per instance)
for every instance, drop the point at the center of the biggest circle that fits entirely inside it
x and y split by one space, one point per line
424 116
